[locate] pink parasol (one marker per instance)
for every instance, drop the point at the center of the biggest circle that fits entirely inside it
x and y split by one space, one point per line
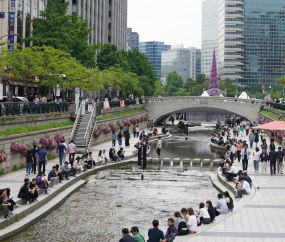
276 125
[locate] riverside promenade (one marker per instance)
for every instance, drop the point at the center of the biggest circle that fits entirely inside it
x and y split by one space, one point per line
258 217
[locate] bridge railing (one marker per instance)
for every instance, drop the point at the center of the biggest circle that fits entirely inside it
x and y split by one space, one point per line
205 100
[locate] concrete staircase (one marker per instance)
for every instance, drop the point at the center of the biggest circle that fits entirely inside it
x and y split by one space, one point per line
83 130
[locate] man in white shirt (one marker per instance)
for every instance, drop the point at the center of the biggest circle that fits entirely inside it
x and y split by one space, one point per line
244 189
230 172
245 155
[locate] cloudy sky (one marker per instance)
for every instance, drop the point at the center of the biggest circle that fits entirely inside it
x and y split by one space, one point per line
172 21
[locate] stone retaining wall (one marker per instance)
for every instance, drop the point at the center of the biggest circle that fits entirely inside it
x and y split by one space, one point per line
121 110
12 122
27 138
107 137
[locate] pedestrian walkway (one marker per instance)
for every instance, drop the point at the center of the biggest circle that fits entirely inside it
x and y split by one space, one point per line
262 219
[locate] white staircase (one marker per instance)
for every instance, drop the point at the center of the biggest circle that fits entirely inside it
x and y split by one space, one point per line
83 128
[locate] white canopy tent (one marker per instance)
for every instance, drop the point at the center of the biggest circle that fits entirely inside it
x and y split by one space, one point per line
205 94
244 96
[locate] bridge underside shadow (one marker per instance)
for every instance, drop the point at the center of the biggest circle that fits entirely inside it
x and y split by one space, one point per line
159 120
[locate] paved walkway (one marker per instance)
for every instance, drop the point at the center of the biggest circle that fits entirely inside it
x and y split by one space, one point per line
261 219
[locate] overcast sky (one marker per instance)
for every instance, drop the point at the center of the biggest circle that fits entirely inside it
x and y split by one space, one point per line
172 21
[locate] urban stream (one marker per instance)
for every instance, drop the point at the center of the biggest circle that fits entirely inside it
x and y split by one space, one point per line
117 198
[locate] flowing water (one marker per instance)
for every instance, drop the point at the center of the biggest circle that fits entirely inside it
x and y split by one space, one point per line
117 198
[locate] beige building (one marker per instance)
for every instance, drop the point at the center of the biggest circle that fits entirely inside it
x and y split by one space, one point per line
107 17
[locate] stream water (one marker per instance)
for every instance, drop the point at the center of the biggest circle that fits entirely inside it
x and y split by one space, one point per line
117 198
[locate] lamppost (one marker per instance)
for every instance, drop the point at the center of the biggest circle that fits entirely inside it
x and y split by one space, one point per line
49 89
9 35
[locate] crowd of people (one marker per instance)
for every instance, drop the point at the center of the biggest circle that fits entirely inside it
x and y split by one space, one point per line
183 222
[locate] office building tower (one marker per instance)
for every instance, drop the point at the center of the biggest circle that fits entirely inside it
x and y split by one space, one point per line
185 61
133 39
107 17
153 49
251 43
210 33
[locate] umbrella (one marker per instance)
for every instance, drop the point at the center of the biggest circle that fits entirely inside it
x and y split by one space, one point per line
276 125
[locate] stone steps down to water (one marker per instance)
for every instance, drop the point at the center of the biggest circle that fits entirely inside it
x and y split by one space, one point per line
185 161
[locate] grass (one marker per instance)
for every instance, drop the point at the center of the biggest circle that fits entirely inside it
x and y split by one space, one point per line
120 114
51 156
271 115
20 130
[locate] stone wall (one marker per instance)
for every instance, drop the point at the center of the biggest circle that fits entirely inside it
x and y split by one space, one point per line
121 110
107 137
12 122
27 138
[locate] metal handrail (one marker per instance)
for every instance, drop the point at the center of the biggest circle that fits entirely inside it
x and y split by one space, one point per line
90 126
76 120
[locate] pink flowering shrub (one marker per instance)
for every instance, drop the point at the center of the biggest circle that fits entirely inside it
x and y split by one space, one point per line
48 143
58 138
17 147
263 120
3 156
106 129
133 120
97 132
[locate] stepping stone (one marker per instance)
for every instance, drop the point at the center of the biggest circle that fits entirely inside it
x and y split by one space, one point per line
206 162
186 161
156 160
176 161
196 161
216 161
166 160
149 159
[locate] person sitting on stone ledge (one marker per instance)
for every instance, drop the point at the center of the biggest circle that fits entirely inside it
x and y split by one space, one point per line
230 172
58 173
221 206
111 153
52 176
6 198
121 153
115 155
90 158
65 170
211 210
100 158
155 234
242 188
73 170
42 183
180 224
155 132
171 231
192 221
126 237
204 215
229 201
33 187
25 193
4 206
184 214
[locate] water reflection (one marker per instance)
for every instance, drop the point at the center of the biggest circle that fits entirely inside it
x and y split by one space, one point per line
114 199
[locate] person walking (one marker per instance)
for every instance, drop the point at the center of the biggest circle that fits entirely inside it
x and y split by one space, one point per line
280 157
256 140
134 131
239 148
263 158
272 137
29 159
261 132
272 158
127 139
241 130
119 137
158 148
172 120
245 155
114 137
238 129
43 161
138 130
247 128
256 155
251 139
34 153
60 151
71 150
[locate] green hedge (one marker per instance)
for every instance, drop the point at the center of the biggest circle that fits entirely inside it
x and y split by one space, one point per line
27 129
271 115
121 114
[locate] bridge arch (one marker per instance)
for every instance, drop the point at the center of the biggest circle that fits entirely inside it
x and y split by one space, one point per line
160 108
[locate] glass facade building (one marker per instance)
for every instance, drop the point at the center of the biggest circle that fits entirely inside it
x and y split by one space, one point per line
133 39
153 49
210 33
186 62
251 41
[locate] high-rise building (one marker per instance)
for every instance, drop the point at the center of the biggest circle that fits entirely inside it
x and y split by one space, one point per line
252 41
133 39
185 61
210 33
153 49
107 17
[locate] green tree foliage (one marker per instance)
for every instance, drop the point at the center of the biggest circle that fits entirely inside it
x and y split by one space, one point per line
173 82
189 85
62 31
159 89
201 79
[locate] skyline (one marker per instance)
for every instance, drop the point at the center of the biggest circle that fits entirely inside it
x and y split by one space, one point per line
183 27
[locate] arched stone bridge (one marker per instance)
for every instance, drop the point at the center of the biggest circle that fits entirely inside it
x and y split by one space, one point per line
160 108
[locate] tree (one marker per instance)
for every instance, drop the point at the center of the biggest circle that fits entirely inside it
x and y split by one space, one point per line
173 82
62 31
189 85
159 89
201 79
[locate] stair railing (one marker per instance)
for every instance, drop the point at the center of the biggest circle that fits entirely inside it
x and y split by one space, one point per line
90 128
76 120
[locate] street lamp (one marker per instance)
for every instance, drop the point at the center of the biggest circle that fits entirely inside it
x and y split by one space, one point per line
62 75
9 35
